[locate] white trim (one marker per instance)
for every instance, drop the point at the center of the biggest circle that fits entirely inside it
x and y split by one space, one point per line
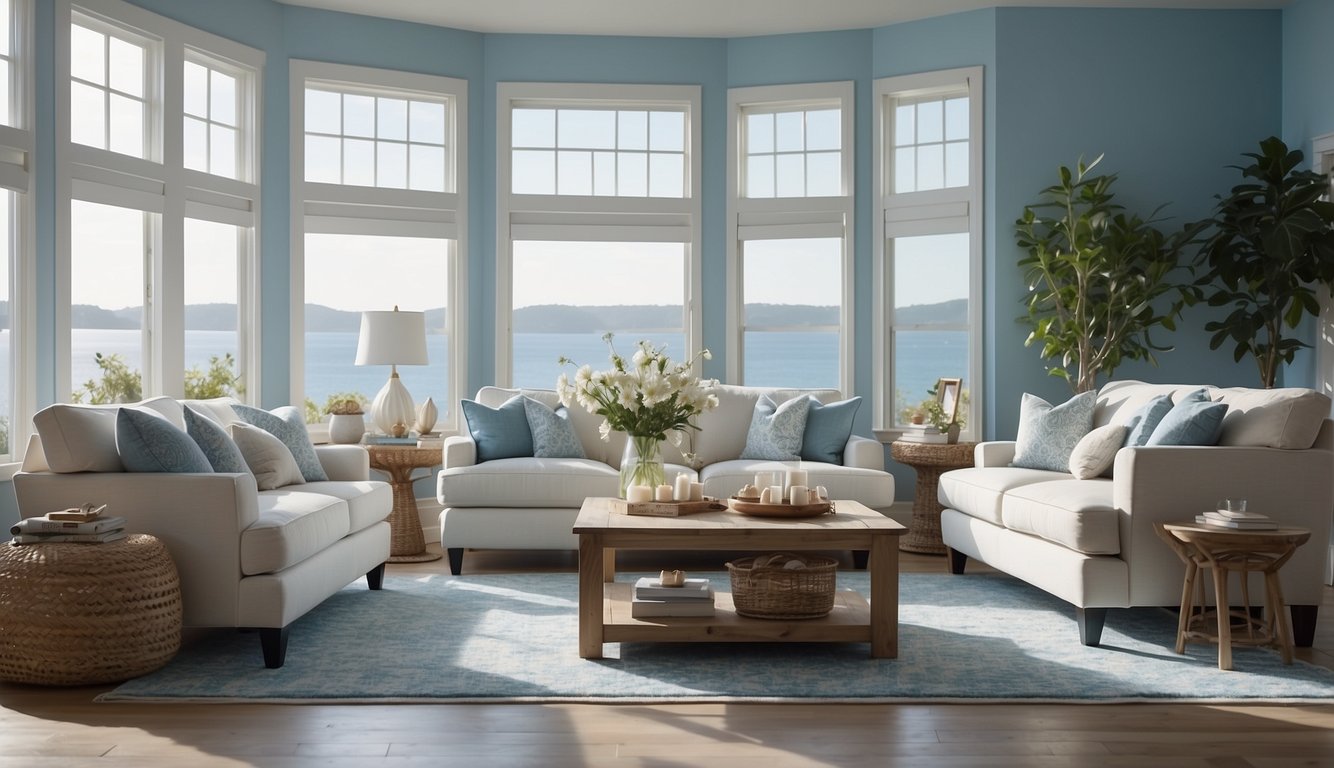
22 265
1322 161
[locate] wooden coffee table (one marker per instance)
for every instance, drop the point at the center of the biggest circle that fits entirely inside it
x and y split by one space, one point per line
604 605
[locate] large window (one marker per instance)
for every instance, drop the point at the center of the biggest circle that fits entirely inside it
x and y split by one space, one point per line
16 226
928 226
598 225
790 207
379 178
158 204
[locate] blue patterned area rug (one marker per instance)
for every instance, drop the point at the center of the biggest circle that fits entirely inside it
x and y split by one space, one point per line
510 638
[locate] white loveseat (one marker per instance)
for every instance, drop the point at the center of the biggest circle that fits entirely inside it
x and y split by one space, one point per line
531 503
246 558
1092 542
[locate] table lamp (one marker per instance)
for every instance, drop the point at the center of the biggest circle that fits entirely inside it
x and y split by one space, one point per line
392 338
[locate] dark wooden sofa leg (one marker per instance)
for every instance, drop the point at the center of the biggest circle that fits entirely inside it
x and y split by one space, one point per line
1090 622
859 558
1303 624
274 643
957 560
455 560
375 577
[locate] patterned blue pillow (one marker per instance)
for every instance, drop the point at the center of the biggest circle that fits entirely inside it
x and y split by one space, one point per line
553 434
1193 421
218 448
1143 421
1047 436
776 430
150 443
500 433
828 427
287 425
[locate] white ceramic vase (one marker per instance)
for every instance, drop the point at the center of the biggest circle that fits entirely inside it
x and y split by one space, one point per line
427 414
346 428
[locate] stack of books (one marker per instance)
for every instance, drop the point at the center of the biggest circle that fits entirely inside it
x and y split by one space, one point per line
923 433
1241 521
651 598
86 525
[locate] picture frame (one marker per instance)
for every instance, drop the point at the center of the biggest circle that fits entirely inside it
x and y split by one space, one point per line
947 394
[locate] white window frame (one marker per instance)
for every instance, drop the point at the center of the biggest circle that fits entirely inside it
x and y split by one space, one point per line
17 145
595 218
344 209
783 218
160 185
1322 161
931 212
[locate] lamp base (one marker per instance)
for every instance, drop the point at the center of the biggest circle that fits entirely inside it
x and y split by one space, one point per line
392 410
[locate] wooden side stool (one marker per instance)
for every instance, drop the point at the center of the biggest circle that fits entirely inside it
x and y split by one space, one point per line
1224 550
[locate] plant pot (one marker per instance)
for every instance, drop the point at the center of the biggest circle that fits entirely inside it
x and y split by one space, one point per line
346 428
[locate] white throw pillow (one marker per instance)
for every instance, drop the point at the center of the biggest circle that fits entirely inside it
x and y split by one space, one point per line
1095 452
269 459
82 438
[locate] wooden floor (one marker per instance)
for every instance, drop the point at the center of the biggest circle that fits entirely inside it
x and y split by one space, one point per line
55 727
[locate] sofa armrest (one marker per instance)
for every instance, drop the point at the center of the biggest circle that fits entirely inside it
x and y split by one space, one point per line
994 453
459 451
864 453
344 462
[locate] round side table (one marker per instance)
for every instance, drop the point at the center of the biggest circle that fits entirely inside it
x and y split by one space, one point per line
85 614
407 543
1223 550
930 460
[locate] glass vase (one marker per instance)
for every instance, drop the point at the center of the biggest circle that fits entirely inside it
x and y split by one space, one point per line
641 464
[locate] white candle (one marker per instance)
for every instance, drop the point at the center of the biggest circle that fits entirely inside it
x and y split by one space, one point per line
762 480
775 494
800 495
664 493
638 494
681 491
697 491
796 477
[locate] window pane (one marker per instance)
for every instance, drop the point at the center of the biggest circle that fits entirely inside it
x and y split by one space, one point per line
824 129
88 118
790 176
824 174
391 165
358 115
533 172
760 176
956 164
359 162
393 119
6 72
789 134
6 27
666 175
604 173
667 131
323 111
632 129
222 151
632 174
107 297
88 53
905 118
324 159
566 295
586 129
956 119
426 122
759 133
212 251
127 126
930 166
195 89
222 98
922 357
905 169
196 144
533 127
930 122
931 279
7 350
127 66
426 168
574 173
410 272
791 359
792 294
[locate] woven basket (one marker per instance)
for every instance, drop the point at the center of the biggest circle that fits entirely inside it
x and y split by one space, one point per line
82 614
776 592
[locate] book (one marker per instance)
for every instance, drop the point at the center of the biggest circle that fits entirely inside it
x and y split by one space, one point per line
43 525
1232 514
933 439
650 588
921 429
1239 525
642 609
70 538
387 440
79 514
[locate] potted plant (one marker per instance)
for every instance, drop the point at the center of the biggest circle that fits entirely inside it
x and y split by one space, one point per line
1099 280
932 410
1271 248
347 423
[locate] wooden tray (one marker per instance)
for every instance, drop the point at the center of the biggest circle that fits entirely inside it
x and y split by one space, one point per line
756 509
667 508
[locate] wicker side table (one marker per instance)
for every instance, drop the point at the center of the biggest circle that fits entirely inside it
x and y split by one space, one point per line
407 543
931 460
83 614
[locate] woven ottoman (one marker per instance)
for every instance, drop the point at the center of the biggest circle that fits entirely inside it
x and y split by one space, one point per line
82 614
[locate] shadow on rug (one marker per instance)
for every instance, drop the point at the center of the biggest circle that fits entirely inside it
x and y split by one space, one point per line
515 637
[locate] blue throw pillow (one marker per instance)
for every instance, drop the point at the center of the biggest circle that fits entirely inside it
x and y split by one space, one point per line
776 430
287 425
1047 436
149 443
1143 421
828 427
553 434
212 439
500 433
1193 421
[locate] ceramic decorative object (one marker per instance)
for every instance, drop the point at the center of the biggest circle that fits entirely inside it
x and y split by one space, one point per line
427 414
346 428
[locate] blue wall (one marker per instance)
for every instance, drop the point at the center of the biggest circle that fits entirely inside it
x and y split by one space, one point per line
1171 98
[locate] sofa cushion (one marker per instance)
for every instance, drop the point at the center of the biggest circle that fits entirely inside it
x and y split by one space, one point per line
218 409
1143 421
500 433
828 427
267 457
212 439
82 438
1095 452
874 488
1193 420
527 482
1272 418
288 425
977 491
293 524
776 430
1047 435
1077 514
1118 400
552 433
147 442
368 501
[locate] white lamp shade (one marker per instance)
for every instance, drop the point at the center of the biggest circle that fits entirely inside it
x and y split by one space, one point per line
392 338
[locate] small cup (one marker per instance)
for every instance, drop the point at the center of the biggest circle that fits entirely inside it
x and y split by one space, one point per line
800 495
1232 505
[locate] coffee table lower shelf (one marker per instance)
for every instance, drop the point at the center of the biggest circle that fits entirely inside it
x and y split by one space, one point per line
848 622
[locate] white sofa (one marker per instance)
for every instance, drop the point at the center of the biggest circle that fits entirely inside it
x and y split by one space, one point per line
531 503
1092 542
246 558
